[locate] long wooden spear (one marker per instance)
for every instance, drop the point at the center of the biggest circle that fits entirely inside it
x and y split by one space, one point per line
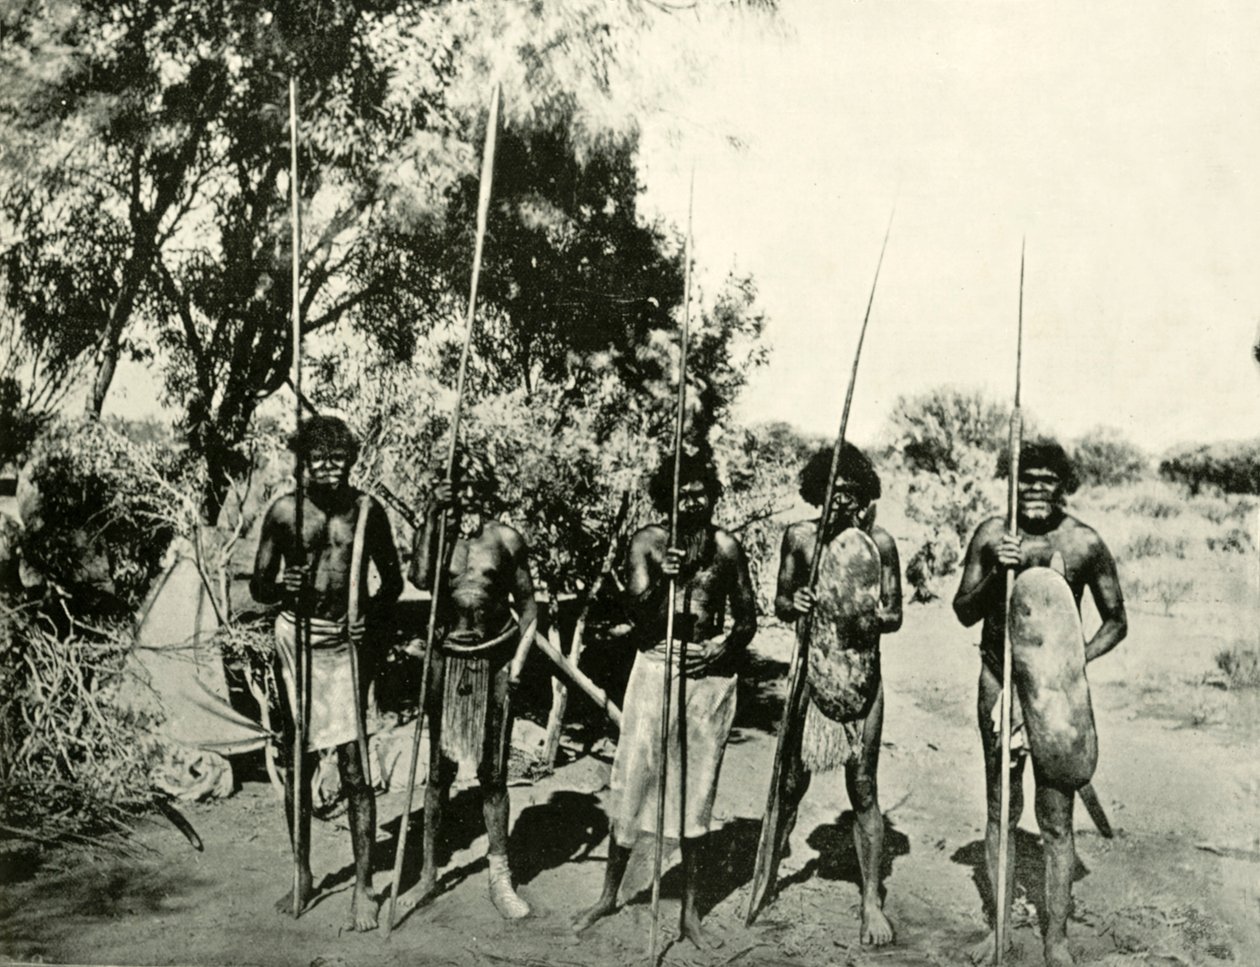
1014 441
766 866
483 212
300 628
679 422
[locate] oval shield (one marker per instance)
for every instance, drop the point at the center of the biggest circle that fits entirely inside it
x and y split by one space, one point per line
844 629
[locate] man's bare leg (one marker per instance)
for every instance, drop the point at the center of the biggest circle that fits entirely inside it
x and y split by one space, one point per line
305 882
990 689
691 927
495 806
1053 807
868 831
868 842
362 814
614 873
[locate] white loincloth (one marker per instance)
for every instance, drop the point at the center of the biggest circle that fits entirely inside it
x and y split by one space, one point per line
709 713
331 686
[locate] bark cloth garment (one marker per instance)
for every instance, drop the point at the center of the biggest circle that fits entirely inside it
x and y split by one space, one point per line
709 713
332 699
827 744
473 688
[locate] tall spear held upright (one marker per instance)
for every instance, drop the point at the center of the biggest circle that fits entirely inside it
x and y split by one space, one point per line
301 630
766 866
483 211
1014 442
659 855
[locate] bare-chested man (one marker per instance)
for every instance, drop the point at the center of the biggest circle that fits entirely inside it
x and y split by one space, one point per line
1046 476
819 743
330 511
477 663
711 574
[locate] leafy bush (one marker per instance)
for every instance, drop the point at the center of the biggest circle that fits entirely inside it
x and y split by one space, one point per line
1235 541
934 430
97 514
1103 457
1232 468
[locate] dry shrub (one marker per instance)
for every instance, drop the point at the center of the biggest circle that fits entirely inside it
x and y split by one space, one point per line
1240 664
73 761
1233 541
1150 544
1147 505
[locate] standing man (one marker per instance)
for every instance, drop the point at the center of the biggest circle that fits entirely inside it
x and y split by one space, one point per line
480 651
1047 535
711 575
330 512
819 743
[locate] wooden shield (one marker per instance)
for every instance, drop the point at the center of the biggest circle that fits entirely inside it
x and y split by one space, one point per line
844 629
1048 665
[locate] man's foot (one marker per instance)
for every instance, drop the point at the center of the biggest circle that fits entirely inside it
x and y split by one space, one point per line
1058 955
692 929
285 904
982 953
876 930
420 894
363 907
602 908
504 898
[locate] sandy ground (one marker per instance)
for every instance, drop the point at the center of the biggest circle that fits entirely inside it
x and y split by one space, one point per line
1178 775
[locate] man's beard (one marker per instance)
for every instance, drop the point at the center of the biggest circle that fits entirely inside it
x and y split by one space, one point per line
695 539
470 523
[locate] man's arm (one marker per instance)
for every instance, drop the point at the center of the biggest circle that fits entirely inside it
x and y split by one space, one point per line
424 544
645 591
262 583
523 597
793 573
382 552
1104 585
982 585
890 582
743 601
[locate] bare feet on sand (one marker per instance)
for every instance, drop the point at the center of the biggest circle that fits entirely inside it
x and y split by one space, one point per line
420 894
285 904
363 907
876 930
603 907
982 953
691 929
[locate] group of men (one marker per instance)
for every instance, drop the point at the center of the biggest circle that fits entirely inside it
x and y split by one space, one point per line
482 647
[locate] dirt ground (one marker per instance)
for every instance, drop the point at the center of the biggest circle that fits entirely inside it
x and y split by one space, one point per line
1178 885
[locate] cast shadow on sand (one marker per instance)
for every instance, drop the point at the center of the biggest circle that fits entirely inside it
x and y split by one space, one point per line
726 864
562 830
837 856
759 707
1029 872
462 823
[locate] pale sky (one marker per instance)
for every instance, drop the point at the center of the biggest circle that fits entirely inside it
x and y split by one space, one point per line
1121 138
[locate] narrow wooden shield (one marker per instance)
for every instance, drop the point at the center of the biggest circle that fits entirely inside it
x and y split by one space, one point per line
1048 666
844 629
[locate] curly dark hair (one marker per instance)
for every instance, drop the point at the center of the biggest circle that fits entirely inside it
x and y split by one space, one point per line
324 432
694 466
854 467
1043 453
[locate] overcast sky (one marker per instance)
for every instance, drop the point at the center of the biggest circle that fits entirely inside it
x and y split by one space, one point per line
1121 138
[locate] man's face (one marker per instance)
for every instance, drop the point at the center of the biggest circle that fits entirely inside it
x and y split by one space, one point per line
694 505
846 502
328 467
1040 493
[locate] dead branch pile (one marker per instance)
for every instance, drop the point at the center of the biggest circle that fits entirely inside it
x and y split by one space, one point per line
73 763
